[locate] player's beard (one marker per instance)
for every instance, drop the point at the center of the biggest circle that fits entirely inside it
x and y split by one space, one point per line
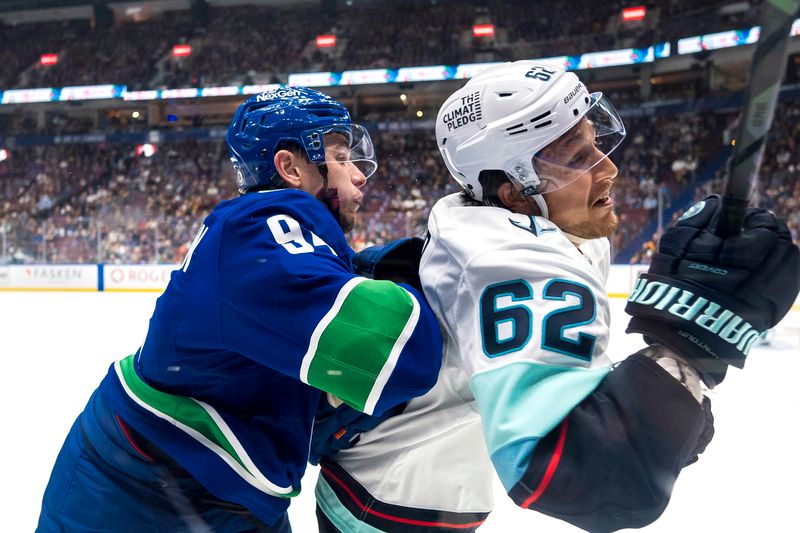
343 215
344 211
347 219
592 229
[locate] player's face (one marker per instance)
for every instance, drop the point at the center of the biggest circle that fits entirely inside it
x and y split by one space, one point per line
344 180
584 207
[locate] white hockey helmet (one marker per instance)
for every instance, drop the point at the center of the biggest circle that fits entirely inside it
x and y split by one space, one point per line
503 118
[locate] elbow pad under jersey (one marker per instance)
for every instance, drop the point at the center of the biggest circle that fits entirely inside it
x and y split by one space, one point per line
612 463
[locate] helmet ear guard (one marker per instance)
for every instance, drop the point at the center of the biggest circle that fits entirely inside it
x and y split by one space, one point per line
313 144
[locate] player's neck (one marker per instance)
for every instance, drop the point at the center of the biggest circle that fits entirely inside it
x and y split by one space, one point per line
574 239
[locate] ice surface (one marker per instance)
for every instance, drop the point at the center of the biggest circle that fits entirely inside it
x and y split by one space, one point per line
55 348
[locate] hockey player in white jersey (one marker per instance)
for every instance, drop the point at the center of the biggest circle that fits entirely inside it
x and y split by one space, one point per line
514 269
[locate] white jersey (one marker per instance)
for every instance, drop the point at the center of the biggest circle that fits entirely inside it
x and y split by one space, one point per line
525 320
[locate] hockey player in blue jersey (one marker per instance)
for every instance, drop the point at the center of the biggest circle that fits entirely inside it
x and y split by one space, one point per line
515 269
207 426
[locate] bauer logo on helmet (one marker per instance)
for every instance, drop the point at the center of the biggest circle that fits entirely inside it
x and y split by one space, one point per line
573 93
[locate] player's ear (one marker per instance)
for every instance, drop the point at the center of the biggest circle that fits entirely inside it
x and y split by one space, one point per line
287 165
513 200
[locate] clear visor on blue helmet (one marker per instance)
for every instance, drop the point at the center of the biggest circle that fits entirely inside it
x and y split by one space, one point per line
345 145
581 148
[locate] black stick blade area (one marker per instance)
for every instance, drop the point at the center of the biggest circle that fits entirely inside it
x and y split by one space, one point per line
760 99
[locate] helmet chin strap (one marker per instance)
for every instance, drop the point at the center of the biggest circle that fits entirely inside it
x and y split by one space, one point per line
540 202
539 199
528 189
574 239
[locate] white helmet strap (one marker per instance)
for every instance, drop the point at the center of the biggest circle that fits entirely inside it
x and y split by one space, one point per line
539 199
528 189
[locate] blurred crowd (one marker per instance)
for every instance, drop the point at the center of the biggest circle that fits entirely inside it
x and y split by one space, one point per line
778 184
127 54
90 203
101 202
86 203
662 155
262 44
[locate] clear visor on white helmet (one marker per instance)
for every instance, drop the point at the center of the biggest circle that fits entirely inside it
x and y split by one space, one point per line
581 148
350 145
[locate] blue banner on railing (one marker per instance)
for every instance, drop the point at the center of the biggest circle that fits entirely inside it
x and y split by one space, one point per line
609 58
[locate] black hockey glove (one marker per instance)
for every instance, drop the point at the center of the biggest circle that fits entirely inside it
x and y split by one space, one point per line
709 298
339 428
397 261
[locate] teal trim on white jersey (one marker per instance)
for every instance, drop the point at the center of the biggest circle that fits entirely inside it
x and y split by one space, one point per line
511 462
336 512
521 402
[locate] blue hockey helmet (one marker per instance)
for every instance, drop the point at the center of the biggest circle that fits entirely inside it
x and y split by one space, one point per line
296 115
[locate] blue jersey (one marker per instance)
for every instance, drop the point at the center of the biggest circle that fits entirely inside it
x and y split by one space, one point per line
263 314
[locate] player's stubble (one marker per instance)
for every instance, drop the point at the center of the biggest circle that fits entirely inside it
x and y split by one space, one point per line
594 226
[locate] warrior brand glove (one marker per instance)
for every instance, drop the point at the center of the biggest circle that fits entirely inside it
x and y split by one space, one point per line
337 426
397 261
709 298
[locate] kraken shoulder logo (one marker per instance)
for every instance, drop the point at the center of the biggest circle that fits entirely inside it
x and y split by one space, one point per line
535 228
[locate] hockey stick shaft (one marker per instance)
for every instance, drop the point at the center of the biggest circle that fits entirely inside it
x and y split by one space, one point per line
760 98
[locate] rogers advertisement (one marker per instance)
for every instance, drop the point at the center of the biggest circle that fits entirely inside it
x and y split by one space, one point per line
136 277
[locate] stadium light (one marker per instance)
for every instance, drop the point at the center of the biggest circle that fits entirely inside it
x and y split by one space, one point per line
3 154
483 30
326 41
181 50
632 14
48 60
147 150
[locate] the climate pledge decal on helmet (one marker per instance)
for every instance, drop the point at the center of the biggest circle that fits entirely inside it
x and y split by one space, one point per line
468 111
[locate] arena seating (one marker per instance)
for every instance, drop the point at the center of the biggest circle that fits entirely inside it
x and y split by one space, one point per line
89 203
243 44
102 202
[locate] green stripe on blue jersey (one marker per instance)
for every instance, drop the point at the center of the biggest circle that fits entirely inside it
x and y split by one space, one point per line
200 421
355 347
521 402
